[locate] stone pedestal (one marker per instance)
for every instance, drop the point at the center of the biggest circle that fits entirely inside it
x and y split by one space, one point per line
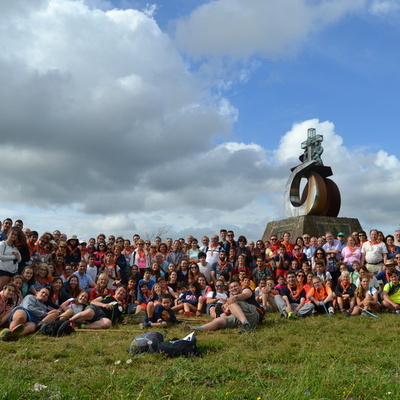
314 225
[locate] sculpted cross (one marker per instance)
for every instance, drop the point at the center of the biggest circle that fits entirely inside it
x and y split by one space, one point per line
312 147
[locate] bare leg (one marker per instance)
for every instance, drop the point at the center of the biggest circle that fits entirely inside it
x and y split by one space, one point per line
83 316
237 311
103 323
215 324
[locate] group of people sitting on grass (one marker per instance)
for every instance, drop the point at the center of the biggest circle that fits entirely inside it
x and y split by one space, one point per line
95 284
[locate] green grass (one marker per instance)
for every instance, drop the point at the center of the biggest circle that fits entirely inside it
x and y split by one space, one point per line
312 358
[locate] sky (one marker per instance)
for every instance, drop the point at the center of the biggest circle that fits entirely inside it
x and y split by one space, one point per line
184 116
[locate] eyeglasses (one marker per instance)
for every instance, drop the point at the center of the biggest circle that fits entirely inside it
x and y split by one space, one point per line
397 258
306 237
219 285
274 238
319 253
194 267
297 248
230 235
361 234
302 276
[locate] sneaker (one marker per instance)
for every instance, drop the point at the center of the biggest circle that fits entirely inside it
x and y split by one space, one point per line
331 313
199 313
190 328
345 313
188 314
18 330
397 312
290 315
144 325
138 318
5 334
246 327
284 314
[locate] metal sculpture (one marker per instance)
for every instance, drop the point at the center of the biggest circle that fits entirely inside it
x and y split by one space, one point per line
321 195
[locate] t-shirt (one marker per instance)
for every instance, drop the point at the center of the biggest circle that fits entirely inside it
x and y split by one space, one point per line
393 292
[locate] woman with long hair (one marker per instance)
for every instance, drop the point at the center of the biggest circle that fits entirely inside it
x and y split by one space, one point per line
9 257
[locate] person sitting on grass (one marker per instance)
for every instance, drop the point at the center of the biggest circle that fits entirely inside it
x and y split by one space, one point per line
24 319
204 289
321 296
292 301
189 300
7 302
215 299
345 294
391 294
102 312
243 309
162 315
268 295
367 298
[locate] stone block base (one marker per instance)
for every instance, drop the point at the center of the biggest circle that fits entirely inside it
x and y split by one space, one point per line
314 225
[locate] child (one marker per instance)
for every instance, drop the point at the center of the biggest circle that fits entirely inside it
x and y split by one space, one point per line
147 279
345 294
355 274
268 296
111 269
281 283
322 296
101 288
216 299
189 300
247 282
91 268
321 273
72 306
163 314
28 281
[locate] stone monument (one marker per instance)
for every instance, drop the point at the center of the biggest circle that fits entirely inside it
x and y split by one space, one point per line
315 210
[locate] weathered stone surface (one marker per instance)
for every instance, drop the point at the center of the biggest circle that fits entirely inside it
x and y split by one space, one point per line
314 225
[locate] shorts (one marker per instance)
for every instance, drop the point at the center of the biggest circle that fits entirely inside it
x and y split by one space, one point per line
98 313
6 273
29 317
250 312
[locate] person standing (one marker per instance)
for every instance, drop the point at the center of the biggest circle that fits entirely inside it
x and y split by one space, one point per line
9 257
373 253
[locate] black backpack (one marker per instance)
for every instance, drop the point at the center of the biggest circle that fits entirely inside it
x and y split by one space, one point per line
55 328
146 343
179 347
153 342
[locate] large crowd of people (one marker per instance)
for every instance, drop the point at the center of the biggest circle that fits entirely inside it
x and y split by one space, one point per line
104 280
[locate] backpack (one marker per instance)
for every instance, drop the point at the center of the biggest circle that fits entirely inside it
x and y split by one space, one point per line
153 342
145 343
179 347
55 328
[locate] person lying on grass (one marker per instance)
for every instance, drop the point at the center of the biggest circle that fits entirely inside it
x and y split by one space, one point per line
24 319
242 308
102 312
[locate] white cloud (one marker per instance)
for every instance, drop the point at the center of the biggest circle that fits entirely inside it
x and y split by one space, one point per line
384 7
244 28
104 127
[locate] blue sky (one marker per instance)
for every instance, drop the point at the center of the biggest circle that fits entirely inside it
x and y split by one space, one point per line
128 116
